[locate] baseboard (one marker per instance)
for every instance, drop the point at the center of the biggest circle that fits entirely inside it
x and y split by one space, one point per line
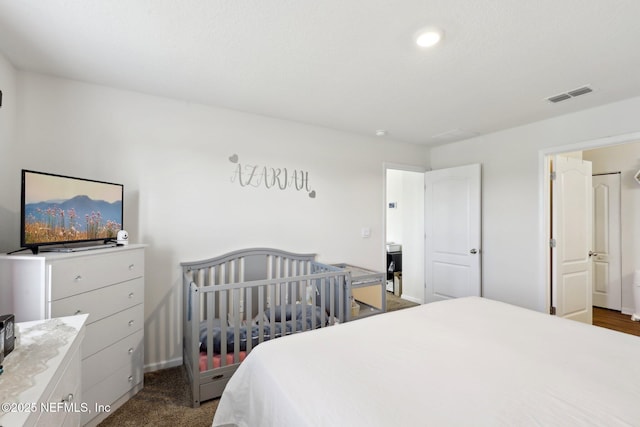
152 367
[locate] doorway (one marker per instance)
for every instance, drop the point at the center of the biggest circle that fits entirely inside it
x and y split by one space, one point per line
404 231
437 229
615 162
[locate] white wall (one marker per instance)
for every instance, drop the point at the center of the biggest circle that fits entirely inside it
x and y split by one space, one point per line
512 254
394 215
9 224
624 158
174 159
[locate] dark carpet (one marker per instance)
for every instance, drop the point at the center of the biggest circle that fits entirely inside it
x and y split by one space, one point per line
396 303
165 399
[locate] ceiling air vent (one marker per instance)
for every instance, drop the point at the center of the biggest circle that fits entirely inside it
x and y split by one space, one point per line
454 135
571 94
580 91
559 98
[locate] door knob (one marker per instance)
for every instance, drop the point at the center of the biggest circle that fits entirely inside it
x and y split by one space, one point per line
473 251
591 253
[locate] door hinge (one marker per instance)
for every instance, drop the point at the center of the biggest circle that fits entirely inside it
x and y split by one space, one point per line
552 311
552 175
552 243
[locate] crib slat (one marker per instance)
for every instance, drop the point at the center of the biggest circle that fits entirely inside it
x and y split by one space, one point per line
313 301
278 299
341 299
195 326
294 301
239 278
260 315
211 280
210 297
248 319
223 327
332 299
272 320
304 300
270 267
231 279
283 308
200 301
237 319
323 300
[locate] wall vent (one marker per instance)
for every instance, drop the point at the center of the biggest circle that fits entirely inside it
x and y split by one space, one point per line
570 94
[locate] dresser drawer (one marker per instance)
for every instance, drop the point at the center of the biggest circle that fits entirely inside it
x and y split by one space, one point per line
64 404
112 388
126 352
74 276
101 302
103 333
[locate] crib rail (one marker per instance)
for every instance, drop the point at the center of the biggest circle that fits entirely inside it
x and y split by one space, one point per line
278 261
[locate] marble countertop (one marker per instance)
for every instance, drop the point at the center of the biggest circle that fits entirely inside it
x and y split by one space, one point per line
32 365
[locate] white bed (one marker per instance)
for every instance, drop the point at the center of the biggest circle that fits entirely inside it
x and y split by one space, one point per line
469 361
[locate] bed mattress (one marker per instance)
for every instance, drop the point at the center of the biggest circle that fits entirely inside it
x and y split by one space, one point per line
468 361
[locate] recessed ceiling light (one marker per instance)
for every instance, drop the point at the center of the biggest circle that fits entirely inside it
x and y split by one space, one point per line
429 37
381 132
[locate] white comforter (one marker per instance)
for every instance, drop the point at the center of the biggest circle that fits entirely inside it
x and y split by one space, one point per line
463 362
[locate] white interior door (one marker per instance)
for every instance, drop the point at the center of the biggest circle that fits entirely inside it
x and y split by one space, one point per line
571 230
607 280
452 232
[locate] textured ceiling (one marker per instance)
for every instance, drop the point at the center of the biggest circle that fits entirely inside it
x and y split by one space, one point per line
344 64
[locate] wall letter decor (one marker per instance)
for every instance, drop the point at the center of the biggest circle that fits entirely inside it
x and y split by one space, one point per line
270 177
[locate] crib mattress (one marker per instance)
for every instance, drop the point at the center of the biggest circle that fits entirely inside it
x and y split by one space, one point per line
469 361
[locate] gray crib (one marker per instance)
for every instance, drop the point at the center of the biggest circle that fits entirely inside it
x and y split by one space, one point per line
238 300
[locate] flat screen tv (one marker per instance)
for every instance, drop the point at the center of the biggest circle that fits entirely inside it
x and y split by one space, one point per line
63 210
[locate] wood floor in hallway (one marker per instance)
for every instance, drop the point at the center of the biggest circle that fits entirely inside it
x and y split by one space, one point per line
615 320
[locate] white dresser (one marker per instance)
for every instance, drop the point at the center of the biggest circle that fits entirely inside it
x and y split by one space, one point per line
108 285
40 385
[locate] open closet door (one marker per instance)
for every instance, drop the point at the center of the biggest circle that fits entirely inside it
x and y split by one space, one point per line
452 232
572 228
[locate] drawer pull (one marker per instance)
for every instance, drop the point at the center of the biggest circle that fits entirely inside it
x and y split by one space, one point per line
130 322
78 278
131 295
69 398
131 350
131 266
130 378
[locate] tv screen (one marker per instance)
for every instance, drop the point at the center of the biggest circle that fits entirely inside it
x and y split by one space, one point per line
59 209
